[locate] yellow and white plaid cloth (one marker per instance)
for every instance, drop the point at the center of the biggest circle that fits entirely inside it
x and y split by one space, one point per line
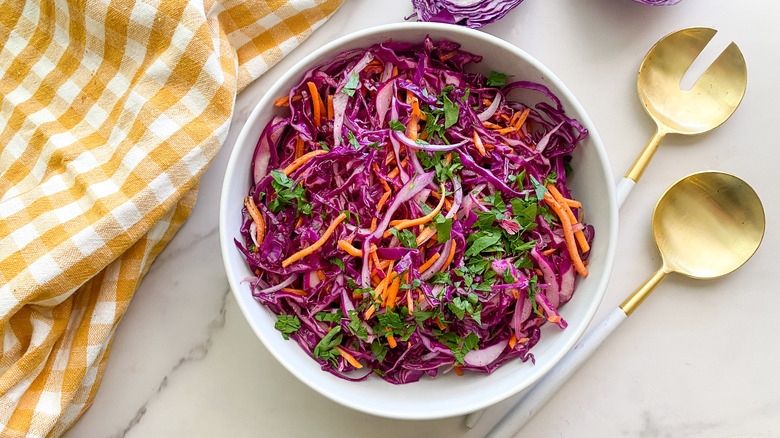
110 110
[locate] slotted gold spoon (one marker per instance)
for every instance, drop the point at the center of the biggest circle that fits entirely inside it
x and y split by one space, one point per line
711 101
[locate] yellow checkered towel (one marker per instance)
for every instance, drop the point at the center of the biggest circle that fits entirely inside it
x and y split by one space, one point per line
110 110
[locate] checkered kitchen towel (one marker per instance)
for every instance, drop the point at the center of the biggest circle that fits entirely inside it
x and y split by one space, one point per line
110 110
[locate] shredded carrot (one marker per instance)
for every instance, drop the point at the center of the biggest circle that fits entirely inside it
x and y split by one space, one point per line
349 358
320 274
392 292
568 234
506 130
294 291
369 312
373 225
282 101
512 342
406 223
303 159
425 235
391 341
458 371
316 245
447 202
382 200
579 235
449 257
430 262
491 125
478 143
409 301
572 203
351 250
513 120
548 251
554 318
393 173
316 103
298 147
249 202
521 120
375 258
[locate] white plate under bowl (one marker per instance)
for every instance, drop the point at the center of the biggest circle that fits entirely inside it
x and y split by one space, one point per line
446 395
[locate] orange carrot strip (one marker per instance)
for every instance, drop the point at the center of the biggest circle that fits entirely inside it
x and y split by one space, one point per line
330 106
409 301
507 130
369 313
458 371
491 125
572 203
320 274
393 173
391 341
298 147
300 161
351 250
392 292
316 245
521 120
382 200
349 358
512 342
548 251
449 257
426 234
294 291
579 235
513 120
316 103
282 101
413 128
406 223
429 262
373 225
299 222
478 144
568 234
257 217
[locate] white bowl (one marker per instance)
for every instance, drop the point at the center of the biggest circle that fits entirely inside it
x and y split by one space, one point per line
448 394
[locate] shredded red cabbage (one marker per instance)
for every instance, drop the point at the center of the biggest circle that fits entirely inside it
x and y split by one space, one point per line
393 133
659 2
469 13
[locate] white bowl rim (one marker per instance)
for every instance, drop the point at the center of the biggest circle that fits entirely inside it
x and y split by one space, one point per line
611 234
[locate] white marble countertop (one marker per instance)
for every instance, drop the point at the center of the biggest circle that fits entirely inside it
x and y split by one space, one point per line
699 359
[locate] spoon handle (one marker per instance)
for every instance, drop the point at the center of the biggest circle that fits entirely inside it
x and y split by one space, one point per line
624 188
539 394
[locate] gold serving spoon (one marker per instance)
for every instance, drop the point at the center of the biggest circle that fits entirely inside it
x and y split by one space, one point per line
706 225
711 101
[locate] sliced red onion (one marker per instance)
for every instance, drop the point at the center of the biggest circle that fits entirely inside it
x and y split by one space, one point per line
400 136
489 111
279 286
486 355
